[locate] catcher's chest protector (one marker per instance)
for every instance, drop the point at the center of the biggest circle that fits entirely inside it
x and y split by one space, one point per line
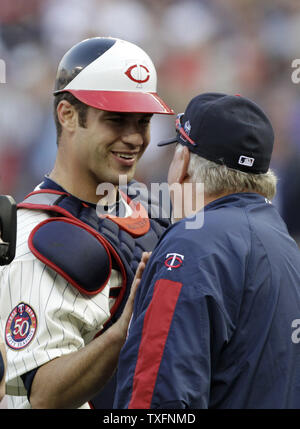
83 247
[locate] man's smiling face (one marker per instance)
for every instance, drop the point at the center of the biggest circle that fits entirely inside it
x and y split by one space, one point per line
112 143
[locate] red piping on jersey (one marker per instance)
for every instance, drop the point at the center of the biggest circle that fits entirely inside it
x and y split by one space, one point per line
50 264
156 327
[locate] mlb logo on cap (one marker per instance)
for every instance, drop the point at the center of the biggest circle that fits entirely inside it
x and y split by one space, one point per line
245 160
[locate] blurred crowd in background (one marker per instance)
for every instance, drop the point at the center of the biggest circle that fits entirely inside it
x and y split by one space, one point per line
232 46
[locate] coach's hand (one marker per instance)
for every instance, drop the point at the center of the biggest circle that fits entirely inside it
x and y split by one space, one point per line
123 322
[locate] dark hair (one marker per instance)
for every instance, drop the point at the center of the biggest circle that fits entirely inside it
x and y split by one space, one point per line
79 106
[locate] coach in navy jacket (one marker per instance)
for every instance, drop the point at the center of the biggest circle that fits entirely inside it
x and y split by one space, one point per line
216 322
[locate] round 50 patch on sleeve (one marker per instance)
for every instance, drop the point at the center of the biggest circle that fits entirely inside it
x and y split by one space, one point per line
20 327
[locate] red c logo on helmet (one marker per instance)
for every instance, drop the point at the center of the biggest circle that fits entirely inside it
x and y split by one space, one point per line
140 76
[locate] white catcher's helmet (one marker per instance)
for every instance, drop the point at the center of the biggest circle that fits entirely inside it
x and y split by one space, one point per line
110 74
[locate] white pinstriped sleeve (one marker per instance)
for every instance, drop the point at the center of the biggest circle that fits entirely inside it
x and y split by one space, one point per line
66 320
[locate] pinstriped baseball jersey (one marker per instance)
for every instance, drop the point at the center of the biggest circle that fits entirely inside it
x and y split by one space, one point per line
42 315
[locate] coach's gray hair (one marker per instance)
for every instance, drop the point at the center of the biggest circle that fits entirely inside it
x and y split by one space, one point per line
219 179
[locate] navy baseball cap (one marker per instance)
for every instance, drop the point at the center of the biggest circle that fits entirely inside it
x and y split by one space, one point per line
227 129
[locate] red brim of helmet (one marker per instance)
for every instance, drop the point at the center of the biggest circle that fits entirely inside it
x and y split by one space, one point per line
122 101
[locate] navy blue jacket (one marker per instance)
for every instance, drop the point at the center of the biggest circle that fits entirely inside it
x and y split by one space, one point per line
217 325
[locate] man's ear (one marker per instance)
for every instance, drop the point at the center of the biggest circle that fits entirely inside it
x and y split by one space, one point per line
182 159
67 115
